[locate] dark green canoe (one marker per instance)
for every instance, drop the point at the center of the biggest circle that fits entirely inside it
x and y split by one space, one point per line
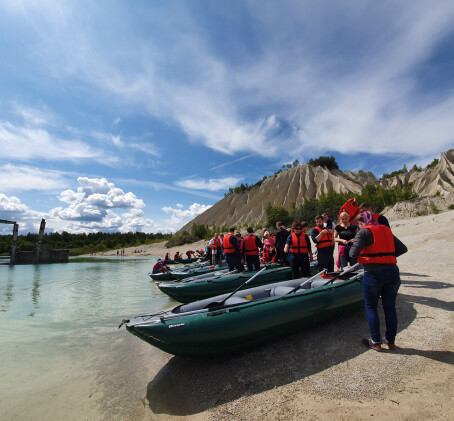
200 287
250 317
185 272
182 260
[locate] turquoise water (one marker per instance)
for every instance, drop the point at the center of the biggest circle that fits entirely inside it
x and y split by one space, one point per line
59 333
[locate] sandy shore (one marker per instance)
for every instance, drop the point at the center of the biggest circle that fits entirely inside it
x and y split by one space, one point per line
326 373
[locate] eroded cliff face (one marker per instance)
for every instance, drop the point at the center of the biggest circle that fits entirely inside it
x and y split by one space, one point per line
291 186
306 182
433 181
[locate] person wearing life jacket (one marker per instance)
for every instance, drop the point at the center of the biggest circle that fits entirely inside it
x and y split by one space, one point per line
381 219
268 251
216 250
377 250
189 253
167 257
232 251
323 239
251 246
177 256
240 240
159 267
299 246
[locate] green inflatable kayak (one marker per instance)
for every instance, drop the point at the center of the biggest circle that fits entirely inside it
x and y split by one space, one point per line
183 272
222 282
229 323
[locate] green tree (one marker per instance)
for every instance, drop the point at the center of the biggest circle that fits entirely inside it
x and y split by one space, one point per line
275 214
328 162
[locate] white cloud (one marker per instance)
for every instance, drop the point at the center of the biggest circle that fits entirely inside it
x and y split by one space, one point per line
212 184
12 209
22 178
180 216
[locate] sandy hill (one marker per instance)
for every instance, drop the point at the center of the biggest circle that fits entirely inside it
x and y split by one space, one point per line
306 182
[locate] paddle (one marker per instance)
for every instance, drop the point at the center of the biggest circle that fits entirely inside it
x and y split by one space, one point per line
350 269
216 304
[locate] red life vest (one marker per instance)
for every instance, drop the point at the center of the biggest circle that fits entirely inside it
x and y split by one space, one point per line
376 216
382 250
299 244
228 246
250 248
325 241
167 257
156 267
240 245
266 255
216 244
351 207
176 256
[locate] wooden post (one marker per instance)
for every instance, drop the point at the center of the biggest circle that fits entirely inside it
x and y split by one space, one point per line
40 241
14 244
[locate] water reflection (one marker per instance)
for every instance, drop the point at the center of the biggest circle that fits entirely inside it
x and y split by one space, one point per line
35 290
9 292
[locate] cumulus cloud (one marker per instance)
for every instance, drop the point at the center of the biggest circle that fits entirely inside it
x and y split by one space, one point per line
180 216
12 209
212 184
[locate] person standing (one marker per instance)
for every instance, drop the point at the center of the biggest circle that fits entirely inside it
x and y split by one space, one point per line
279 243
299 245
215 244
232 251
344 235
251 246
323 239
329 224
376 249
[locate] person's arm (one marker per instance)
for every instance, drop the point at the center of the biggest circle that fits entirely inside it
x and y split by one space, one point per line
309 248
400 247
363 238
337 239
234 242
288 243
258 243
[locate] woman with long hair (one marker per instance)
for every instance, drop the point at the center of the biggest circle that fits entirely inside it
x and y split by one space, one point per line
344 235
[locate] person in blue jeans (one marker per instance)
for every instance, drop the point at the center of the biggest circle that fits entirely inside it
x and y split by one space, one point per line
376 249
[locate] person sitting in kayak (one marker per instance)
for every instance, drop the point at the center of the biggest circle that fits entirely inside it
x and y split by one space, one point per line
189 253
160 267
232 251
167 257
251 246
176 255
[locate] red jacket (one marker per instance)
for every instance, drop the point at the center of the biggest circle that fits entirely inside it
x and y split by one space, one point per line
382 250
299 244
228 246
325 241
250 248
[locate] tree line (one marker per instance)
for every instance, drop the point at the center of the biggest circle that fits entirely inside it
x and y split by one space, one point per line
82 243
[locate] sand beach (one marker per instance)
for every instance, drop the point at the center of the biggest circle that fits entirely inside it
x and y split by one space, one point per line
326 373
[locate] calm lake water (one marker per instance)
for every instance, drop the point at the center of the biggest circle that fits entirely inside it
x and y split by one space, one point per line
61 350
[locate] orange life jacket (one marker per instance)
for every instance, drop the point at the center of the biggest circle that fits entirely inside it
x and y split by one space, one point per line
265 255
299 244
216 243
376 216
325 241
228 246
176 256
156 267
250 248
240 245
351 207
382 250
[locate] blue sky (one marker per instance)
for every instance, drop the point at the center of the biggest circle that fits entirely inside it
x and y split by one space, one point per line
139 115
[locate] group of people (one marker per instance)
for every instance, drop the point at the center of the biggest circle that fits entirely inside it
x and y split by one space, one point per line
362 237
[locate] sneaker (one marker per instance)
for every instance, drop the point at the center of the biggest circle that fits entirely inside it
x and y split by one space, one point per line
391 347
372 345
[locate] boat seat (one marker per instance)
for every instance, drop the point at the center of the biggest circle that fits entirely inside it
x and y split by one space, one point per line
281 290
319 283
236 300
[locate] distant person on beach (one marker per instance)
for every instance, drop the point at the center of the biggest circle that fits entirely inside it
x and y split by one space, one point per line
232 251
279 243
299 246
344 235
323 239
376 249
251 246
366 207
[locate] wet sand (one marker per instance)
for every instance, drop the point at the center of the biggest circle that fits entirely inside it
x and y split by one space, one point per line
320 374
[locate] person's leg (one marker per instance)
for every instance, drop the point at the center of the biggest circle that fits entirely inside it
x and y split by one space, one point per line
372 290
305 266
330 262
249 263
343 261
229 260
256 261
389 294
295 268
236 261
322 260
